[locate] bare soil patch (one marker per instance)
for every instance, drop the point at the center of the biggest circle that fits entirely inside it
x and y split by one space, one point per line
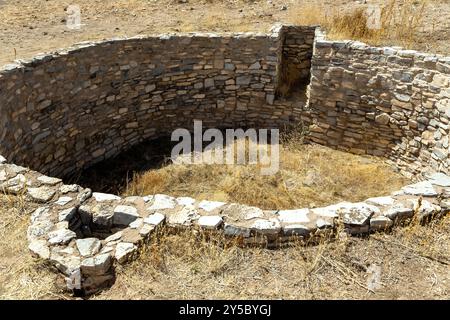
29 27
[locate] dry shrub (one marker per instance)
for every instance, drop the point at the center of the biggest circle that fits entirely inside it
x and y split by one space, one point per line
352 25
426 240
401 21
190 266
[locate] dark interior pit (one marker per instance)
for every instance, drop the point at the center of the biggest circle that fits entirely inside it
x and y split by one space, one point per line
113 175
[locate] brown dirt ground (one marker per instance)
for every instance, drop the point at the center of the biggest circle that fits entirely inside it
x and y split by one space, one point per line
29 27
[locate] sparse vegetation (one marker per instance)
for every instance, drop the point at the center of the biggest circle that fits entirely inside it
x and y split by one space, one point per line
400 21
38 26
414 261
309 176
21 277
187 266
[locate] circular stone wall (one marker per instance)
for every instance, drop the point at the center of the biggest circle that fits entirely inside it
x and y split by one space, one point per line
67 110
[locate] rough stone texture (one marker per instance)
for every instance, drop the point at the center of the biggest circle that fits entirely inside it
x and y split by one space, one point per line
161 202
65 111
381 101
100 197
98 265
124 250
42 194
67 214
210 222
68 233
439 179
155 219
89 246
380 223
296 54
424 188
40 249
61 236
124 215
183 217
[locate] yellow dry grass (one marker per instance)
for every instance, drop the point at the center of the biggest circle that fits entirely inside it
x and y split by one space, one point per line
21 277
400 21
309 176
36 26
414 263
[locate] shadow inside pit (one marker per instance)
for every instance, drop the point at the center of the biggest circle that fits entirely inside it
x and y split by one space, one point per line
113 175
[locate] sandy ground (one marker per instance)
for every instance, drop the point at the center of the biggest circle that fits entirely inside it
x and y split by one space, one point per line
28 27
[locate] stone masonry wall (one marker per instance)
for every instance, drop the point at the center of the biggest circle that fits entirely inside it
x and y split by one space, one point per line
67 110
381 101
297 53
64 111
85 234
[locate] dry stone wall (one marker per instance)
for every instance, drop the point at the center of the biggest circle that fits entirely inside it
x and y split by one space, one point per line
64 111
296 56
85 234
381 101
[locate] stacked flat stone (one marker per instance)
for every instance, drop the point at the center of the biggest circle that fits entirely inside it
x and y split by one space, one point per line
381 101
83 234
297 53
64 111
67 110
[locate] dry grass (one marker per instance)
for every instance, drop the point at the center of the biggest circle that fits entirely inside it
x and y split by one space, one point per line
414 259
414 263
186 266
309 176
21 277
401 21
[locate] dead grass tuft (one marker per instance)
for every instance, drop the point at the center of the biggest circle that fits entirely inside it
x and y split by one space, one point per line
413 261
309 176
189 266
21 277
400 21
